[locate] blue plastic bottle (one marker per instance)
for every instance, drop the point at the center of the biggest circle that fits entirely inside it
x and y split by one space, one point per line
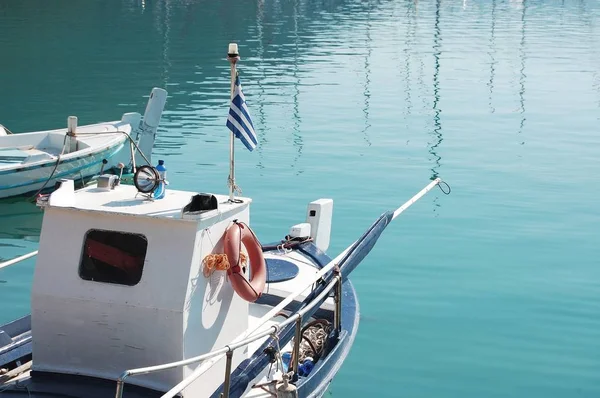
159 193
162 170
286 357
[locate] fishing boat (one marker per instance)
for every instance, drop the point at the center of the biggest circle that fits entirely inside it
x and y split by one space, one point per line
131 297
147 291
32 162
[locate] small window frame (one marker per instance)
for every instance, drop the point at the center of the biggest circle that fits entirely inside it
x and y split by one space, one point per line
101 247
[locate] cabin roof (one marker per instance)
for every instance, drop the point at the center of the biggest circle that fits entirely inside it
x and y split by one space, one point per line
125 199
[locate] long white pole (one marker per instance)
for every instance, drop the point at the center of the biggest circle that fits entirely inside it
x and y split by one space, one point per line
336 260
18 259
232 56
210 362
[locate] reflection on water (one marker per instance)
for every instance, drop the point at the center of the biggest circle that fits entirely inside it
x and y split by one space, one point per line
492 54
19 220
297 136
437 130
597 87
260 52
366 92
522 75
409 37
359 101
163 15
594 44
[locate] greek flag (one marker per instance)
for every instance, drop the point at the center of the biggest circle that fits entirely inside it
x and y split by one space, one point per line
239 121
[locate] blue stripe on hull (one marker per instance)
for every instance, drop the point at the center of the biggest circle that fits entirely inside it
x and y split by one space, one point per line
51 163
16 336
65 173
316 384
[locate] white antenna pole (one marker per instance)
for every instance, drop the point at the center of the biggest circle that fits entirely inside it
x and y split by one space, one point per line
232 56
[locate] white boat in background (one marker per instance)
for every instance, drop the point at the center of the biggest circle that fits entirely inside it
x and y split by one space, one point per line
32 162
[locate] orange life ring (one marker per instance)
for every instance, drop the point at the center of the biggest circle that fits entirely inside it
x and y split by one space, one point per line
237 234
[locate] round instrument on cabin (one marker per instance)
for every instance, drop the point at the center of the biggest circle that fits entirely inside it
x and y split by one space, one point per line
146 179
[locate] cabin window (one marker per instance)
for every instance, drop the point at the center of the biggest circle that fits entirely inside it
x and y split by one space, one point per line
113 257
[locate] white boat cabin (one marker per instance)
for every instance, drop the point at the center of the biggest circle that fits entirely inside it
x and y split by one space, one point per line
118 284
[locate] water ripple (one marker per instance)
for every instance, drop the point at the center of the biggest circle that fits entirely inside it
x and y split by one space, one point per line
493 293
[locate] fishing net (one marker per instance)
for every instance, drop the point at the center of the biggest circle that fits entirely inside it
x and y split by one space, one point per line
314 339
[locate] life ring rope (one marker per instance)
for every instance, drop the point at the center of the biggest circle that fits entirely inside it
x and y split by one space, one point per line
235 269
257 294
234 260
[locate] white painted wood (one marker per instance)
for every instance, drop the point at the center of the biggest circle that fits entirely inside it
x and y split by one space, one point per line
125 200
101 329
255 316
215 313
64 196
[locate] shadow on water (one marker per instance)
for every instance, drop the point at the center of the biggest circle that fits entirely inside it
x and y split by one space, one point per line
522 75
20 219
492 55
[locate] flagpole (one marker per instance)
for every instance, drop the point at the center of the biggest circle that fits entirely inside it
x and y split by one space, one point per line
232 56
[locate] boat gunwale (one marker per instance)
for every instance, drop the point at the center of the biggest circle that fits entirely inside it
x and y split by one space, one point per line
70 157
115 149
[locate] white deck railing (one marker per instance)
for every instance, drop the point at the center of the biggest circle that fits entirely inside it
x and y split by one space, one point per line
252 335
226 350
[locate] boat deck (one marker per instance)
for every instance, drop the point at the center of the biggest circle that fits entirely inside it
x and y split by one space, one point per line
125 199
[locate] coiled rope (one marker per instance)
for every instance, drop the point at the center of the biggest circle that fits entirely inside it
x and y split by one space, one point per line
219 262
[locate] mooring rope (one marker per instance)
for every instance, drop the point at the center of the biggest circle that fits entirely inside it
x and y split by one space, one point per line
131 140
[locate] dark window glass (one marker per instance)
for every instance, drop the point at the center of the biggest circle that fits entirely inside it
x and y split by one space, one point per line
113 257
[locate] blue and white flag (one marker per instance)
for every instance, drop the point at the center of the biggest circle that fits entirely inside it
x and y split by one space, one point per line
239 121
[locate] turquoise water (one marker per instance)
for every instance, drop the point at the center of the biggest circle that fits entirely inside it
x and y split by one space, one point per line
493 291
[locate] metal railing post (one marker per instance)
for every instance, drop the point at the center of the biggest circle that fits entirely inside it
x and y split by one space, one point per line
227 374
337 315
296 350
120 385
